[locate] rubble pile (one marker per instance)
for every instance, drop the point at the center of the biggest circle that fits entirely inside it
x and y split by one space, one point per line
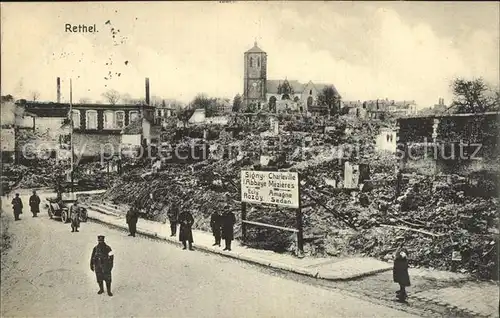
432 216
433 219
43 173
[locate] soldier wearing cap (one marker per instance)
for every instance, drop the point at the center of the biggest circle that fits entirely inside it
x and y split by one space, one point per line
74 215
132 217
228 221
186 221
215 224
17 207
101 263
35 204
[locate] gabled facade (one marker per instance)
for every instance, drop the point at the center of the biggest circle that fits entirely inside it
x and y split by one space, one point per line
260 91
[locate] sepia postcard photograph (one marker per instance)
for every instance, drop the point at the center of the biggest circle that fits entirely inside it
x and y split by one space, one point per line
279 159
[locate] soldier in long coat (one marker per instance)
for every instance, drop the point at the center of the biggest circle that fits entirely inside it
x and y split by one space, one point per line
173 218
74 215
101 263
17 207
186 221
35 204
228 221
400 273
132 217
215 224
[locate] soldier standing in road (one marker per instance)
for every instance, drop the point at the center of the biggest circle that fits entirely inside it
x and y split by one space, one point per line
74 215
132 218
400 274
173 216
215 224
17 207
101 263
35 204
228 221
186 221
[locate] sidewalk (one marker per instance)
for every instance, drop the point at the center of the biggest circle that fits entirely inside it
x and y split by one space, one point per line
452 292
325 268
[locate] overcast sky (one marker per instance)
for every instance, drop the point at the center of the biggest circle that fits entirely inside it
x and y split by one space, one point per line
367 50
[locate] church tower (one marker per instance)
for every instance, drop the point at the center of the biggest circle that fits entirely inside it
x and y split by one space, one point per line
254 90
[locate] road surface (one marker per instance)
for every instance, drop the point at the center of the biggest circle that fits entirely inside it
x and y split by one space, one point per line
46 274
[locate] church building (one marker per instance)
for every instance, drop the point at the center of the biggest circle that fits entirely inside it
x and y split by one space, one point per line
260 91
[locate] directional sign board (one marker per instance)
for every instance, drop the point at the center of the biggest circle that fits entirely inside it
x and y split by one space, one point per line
271 187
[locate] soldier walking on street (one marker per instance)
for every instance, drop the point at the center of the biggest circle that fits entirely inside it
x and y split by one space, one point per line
186 221
101 263
35 204
215 224
74 215
17 207
228 221
132 218
173 216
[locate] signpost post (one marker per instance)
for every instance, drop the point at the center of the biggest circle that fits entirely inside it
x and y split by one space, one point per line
272 187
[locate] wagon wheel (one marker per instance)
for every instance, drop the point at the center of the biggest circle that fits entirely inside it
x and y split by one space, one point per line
50 212
64 217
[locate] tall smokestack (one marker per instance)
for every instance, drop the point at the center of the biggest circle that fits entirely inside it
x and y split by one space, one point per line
58 89
147 91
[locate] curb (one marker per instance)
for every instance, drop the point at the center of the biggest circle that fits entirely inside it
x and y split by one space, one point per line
242 257
352 277
102 211
455 308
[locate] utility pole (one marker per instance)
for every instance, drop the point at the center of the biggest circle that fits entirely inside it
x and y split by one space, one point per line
71 132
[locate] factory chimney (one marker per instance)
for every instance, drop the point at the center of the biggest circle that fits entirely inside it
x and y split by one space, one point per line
58 89
147 91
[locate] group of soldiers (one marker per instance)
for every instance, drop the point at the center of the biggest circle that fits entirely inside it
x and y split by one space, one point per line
17 205
101 260
34 202
221 223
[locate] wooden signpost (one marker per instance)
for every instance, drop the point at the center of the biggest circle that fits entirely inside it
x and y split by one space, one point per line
272 187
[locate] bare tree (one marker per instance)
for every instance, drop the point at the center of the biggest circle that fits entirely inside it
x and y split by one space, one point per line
330 98
34 95
112 96
474 96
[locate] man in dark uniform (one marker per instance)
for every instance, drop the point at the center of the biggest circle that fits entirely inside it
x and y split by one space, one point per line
173 215
101 263
74 215
132 218
215 224
35 204
17 207
228 221
186 221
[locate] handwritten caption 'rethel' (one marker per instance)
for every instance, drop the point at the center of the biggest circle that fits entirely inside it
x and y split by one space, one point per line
80 28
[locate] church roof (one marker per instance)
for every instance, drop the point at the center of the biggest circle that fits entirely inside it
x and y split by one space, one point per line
272 86
255 49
